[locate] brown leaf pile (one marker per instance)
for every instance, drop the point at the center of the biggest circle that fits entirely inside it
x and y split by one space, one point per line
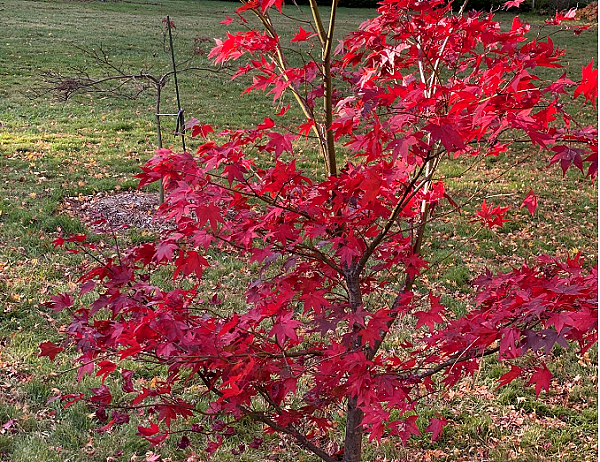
588 13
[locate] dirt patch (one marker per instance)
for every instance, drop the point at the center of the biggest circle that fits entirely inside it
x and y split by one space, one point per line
104 213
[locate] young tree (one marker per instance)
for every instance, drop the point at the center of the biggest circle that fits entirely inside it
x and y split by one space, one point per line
336 255
118 81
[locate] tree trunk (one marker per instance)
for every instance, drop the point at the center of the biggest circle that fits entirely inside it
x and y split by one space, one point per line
354 432
354 415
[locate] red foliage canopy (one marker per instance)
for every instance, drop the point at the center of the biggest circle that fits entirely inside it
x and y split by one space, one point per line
417 86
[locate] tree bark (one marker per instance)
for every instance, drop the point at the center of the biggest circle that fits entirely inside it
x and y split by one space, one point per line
354 415
328 97
354 432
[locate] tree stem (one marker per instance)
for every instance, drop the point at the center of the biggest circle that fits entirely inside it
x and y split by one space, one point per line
328 97
354 432
159 145
354 414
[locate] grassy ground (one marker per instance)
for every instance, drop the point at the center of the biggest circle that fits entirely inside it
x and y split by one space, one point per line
51 150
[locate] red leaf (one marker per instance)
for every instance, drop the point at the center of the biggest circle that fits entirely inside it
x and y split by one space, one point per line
541 378
283 110
153 429
268 123
567 156
106 367
71 398
127 377
561 16
436 426
201 130
446 133
304 129
250 5
280 143
511 375
513 3
269 3
531 202
429 318
284 328
59 302
49 349
164 251
301 36
509 343
589 84
101 395
106 427
190 262
491 216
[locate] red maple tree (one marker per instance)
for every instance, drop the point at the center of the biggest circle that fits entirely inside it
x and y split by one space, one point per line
411 89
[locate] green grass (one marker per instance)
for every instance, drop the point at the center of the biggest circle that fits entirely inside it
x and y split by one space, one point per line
51 150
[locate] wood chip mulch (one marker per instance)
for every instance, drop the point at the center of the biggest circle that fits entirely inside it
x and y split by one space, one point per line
107 213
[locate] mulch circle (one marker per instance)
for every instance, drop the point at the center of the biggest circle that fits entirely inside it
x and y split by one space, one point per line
108 213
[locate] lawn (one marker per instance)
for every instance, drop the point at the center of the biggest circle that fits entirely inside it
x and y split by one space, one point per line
56 153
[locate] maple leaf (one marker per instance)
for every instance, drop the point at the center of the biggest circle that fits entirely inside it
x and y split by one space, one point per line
589 83
429 318
106 367
265 4
59 302
580 29
561 16
164 251
49 349
413 265
198 129
446 133
369 337
531 202
560 320
541 378
101 395
190 262
512 4
491 216
211 214
405 428
279 143
127 377
436 426
567 156
249 5
505 379
304 129
301 36
153 429
558 86
400 146
268 123
347 253
279 88
508 343
283 110
284 328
